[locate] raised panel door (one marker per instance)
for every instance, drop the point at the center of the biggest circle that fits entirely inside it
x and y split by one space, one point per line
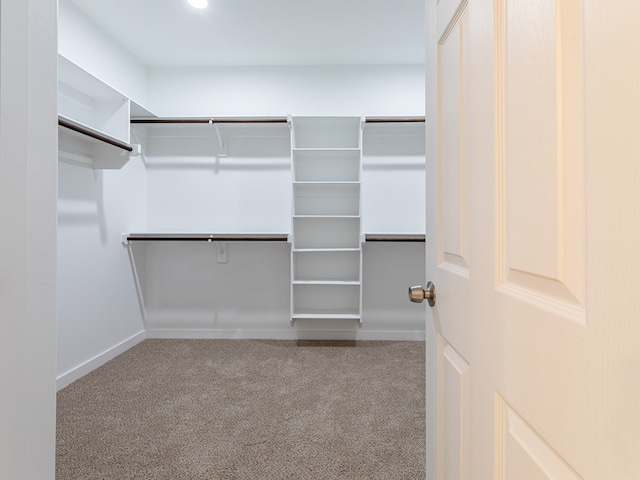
533 346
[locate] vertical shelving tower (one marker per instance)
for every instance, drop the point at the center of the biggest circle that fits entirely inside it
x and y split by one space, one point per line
326 262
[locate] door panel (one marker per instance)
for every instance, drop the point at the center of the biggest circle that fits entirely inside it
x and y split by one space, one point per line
452 165
539 236
533 346
455 413
522 453
539 154
450 261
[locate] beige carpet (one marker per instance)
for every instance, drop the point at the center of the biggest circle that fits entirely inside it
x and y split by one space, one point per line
247 409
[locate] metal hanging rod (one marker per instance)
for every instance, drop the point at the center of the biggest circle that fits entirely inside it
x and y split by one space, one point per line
90 132
394 120
207 120
255 120
395 237
257 237
208 237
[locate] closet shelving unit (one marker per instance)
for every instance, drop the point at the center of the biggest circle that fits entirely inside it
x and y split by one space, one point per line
326 225
326 237
93 119
220 130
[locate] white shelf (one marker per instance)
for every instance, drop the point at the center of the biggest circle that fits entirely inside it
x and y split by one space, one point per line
326 150
336 216
94 119
80 144
337 249
326 258
326 315
88 100
329 182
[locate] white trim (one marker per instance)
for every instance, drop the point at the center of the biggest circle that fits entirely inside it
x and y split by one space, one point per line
81 370
288 334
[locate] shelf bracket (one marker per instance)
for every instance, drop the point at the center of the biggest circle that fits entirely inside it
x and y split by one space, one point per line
221 248
136 150
221 144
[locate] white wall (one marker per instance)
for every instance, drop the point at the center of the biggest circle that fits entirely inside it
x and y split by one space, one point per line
98 311
28 241
189 184
227 91
393 182
187 293
191 188
266 91
84 43
389 269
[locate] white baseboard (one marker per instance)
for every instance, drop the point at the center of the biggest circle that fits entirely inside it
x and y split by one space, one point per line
74 374
377 335
290 334
220 333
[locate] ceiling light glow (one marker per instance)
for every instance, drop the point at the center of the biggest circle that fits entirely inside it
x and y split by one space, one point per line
199 3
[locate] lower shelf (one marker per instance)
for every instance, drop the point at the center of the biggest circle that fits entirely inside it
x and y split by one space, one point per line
325 314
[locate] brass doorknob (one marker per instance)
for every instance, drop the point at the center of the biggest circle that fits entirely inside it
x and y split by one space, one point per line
417 294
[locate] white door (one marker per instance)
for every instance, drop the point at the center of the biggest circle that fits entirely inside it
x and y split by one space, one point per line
533 239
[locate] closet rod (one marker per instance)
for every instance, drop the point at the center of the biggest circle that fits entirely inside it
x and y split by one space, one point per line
205 120
207 237
397 237
90 132
167 120
394 119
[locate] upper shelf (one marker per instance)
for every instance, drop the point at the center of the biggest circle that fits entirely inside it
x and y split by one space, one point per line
218 127
81 144
95 118
279 126
206 237
88 100
92 133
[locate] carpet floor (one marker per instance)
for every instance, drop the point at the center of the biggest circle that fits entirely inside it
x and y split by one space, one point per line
247 409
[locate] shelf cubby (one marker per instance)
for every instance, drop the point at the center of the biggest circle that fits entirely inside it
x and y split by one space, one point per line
337 266
326 198
88 101
94 119
328 165
326 232
327 132
326 301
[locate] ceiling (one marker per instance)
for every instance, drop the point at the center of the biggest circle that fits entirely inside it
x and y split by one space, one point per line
265 32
